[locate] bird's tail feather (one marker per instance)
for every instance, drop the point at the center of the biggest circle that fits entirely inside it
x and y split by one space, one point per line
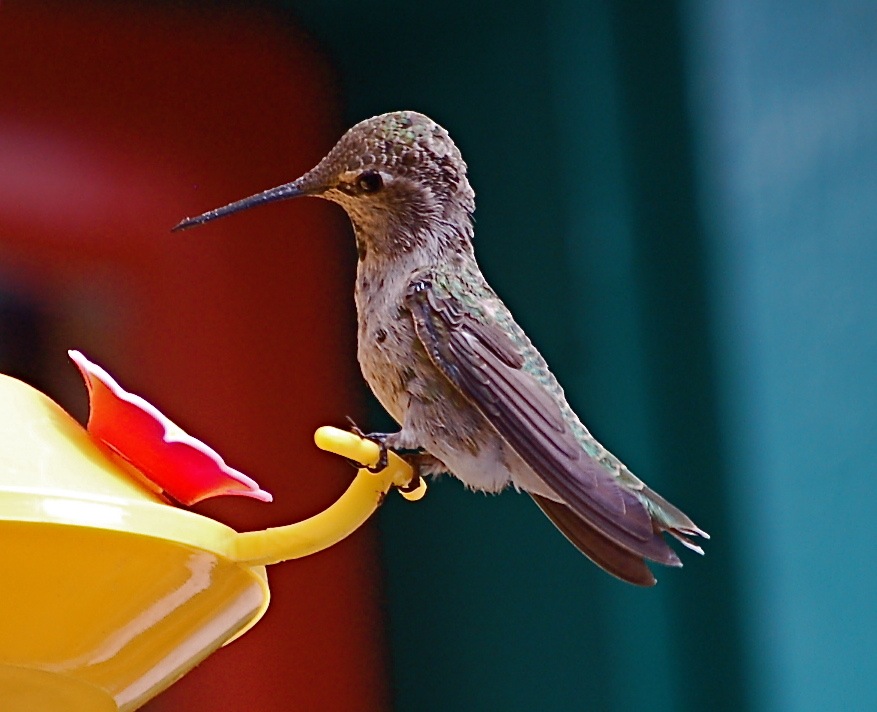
604 552
671 519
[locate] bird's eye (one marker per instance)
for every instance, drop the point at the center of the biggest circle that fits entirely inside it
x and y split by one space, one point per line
370 182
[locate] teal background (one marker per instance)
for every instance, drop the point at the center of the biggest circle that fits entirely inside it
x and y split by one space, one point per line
678 201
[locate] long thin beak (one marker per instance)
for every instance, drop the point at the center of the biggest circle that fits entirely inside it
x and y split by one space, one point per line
281 192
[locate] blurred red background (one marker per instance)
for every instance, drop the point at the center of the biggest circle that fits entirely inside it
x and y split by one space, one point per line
237 331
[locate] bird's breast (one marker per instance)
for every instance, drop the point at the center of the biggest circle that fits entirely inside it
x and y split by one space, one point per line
386 343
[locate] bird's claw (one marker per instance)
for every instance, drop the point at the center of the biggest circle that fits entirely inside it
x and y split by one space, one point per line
380 439
412 485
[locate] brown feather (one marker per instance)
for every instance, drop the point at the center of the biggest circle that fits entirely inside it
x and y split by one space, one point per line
608 555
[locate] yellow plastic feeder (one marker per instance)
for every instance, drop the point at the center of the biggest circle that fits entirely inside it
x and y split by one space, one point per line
109 592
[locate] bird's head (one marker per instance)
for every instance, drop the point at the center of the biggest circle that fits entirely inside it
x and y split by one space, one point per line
398 176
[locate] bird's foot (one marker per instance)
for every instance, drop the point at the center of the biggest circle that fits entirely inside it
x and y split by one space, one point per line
380 439
413 459
423 464
416 457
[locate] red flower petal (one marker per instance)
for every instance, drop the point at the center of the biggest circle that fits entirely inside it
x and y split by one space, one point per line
183 466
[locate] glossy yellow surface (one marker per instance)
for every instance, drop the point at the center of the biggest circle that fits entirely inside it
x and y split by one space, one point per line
124 614
109 593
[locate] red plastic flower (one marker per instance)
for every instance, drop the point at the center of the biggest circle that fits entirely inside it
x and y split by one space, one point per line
179 464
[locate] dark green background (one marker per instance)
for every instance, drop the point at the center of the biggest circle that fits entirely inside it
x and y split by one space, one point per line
677 201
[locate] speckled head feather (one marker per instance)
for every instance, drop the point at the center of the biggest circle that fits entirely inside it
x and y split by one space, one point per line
402 144
401 180
399 141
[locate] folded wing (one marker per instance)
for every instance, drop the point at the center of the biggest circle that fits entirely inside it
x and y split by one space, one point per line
607 521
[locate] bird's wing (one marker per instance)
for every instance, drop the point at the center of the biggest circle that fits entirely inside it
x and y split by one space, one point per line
481 361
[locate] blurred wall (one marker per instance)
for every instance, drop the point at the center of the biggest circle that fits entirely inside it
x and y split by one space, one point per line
786 107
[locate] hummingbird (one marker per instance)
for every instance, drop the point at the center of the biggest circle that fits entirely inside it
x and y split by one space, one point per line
444 356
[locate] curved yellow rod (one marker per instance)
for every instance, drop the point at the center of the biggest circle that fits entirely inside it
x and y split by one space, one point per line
341 519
